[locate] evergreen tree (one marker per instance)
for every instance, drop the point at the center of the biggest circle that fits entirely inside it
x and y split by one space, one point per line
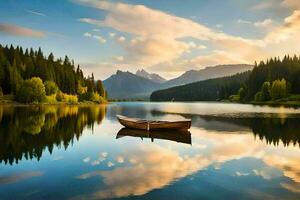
17 64
100 88
266 91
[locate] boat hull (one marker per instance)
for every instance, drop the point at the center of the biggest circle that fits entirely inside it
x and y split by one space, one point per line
153 125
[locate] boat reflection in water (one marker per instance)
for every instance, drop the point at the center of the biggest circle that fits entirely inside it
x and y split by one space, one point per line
181 136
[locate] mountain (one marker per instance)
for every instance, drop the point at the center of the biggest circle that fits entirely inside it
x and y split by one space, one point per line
207 90
126 85
207 73
153 77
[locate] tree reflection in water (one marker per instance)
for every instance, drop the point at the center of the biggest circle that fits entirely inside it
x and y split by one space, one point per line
26 131
271 129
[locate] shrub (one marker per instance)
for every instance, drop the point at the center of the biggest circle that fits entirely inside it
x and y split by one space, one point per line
50 87
67 98
32 90
258 96
234 98
279 89
51 99
92 96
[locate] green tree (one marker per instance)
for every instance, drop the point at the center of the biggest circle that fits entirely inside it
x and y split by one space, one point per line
32 90
266 91
258 96
242 94
100 88
15 79
279 89
50 87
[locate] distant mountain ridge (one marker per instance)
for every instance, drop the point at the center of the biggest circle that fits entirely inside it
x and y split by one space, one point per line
127 85
154 77
207 73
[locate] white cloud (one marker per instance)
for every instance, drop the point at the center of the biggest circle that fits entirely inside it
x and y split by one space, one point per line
87 34
99 38
219 25
264 24
36 13
104 154
119 58
86 160
96 30
95 162
112 34
110 164
121 39
201 47
241 21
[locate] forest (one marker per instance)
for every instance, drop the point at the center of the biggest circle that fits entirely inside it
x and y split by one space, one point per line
207 90
276 80
28 76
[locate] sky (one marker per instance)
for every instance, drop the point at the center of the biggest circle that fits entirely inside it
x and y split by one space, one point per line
167 37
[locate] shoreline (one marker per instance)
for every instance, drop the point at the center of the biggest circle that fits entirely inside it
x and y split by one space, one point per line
14 103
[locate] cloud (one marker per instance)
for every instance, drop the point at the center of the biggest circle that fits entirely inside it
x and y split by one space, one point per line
120 159
14 30
104 154
36 13
241 21
119 58
289 29
158 39
110 164
153 50
95 162
263 5
87 34
215 58
99 38
121 39
202 47
158 33
294 4
166 165
264 24
13 178
112 34
86 160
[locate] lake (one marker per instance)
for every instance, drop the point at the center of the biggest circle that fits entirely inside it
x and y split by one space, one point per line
233 151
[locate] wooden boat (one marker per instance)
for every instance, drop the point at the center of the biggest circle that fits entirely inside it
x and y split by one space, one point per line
181 136
142 124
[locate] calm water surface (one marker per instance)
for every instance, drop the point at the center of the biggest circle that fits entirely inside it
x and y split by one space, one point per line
77 152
